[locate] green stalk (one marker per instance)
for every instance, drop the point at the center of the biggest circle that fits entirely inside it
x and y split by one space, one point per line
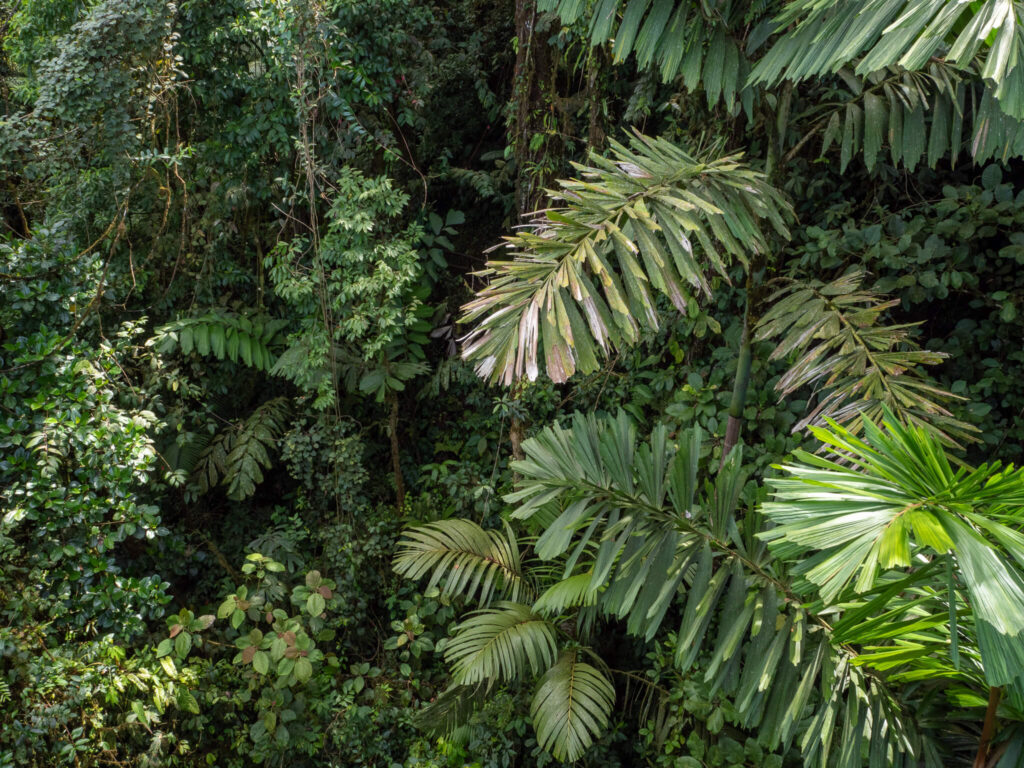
739 393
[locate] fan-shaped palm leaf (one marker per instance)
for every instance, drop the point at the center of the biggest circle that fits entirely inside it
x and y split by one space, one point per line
500 644
464 559
571 707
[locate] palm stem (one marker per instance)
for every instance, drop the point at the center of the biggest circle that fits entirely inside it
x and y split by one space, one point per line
739 393
989 728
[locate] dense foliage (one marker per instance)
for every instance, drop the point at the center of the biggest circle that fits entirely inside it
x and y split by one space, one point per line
461 383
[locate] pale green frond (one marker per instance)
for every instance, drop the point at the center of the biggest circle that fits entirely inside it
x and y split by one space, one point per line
840 349
581 282
464 559
502 643
571 707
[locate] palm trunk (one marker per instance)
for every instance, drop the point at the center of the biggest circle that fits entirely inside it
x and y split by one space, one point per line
988 730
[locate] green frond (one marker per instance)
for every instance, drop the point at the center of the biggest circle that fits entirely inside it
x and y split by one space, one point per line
237 455
464 559
894 496
451 708
502 643
915 117
571 592
856 365
226 336
646 533
571 707
579 285
700 44
250 453
869 35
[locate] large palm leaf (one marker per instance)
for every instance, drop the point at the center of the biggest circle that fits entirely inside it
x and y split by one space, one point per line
581 280
632 519
824 35
894 501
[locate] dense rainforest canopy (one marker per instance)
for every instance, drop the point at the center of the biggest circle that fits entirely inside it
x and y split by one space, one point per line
511 383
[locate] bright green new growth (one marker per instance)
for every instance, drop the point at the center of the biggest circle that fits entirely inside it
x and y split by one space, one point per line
893 501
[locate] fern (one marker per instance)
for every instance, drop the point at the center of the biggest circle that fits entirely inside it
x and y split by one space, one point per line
226 336
237 456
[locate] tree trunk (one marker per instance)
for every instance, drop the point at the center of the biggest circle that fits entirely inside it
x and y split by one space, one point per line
516 435
396 464
533 66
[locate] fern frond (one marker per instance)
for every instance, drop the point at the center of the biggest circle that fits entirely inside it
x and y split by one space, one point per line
500 644
224 335
464 559
579 285
857 365
237 456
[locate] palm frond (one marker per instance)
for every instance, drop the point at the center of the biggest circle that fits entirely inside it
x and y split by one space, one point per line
856 365
571 592
635 517
823 37
707 47
894 496
919 116
464 559
571 707
226 336
580 283
501 643
451 708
